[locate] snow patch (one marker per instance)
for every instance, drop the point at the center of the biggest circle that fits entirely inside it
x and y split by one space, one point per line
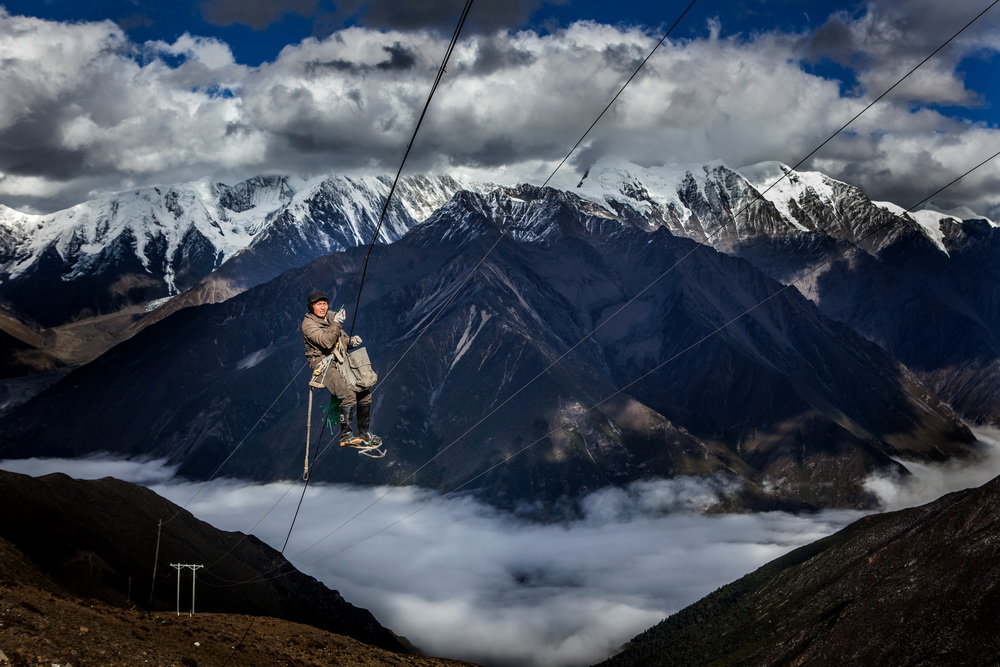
645 189
929 219
779 185
253 359
472 329
156 303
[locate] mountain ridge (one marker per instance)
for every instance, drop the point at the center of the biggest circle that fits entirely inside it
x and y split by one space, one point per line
154 242
908 587
61 524
821 394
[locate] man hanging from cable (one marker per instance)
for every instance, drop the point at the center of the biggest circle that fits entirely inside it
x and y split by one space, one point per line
348 376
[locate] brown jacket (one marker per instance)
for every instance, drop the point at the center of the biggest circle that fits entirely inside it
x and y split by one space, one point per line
321 336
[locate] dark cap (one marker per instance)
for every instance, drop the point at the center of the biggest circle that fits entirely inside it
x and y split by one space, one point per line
317 296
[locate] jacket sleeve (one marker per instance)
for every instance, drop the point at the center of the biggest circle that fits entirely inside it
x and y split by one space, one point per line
323 337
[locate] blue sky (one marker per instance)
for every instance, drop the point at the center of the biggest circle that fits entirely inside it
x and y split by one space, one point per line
108 95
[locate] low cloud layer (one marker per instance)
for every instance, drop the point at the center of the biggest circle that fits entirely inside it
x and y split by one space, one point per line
928 482
86 111
464 580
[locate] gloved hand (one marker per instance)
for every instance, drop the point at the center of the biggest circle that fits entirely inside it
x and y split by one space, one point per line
340 316
355 341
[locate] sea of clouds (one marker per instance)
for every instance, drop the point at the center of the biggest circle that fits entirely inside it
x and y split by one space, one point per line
464 580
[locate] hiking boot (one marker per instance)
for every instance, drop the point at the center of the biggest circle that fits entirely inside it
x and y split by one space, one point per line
347 437
364 424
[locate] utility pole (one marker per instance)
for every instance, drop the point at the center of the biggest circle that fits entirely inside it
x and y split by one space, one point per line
194 576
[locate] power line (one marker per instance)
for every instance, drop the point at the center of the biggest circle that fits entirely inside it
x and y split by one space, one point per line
699 244
744 209
385 207
219 468
360 285
879 98
653 370
618 94
507 227
759 197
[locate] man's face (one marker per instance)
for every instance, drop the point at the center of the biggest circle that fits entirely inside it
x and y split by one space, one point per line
320 307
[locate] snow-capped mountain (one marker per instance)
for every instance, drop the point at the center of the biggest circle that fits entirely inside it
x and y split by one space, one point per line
334 214
154 242
722 206
921 286
782 408
921 283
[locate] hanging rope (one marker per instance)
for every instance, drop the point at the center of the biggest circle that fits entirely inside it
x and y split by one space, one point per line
309 414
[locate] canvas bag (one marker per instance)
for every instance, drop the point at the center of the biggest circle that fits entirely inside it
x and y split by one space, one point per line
358 370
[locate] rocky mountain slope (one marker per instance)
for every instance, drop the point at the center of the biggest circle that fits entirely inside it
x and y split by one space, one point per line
709 369
98 540
918 284
915 587
43 624
921 284
22 348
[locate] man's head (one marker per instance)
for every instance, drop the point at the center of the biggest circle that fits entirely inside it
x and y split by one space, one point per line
319 303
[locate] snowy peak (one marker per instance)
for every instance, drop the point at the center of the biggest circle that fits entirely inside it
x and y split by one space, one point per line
938 224
261 191
785 188
726 208
524 213
706 202
154 242
653 192
157 218
815 202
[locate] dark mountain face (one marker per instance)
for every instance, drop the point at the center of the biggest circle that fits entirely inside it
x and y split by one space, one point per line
100 539
26 367
937 313
491 382
927 293
21 347
916 587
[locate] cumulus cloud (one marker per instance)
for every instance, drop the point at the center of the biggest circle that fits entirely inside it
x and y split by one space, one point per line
87 111
888 39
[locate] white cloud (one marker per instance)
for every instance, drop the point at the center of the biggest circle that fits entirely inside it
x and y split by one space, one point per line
927 482
82 103
890 37
209 53
94 467
464 580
